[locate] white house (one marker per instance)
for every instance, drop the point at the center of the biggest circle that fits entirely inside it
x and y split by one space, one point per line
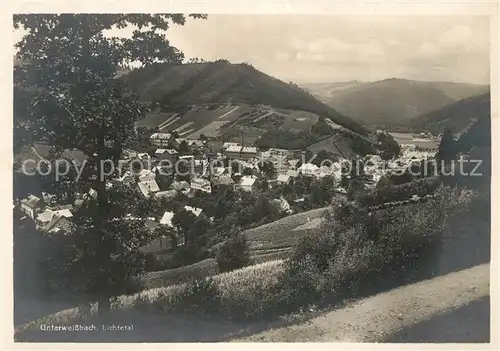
292 173
279 152
148 187
226 145
233 151
43 218
194 210
47 217
309 169
160 139
146 175
31 205
334 170
248 183
284 179
167 218
201 184
248 152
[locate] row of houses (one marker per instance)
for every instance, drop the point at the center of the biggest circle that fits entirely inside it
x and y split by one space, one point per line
166 140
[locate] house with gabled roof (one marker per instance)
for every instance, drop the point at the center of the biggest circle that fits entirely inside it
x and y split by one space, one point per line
194 210
308 169
146 175
147 188
196 144
284 179
59 223
181 186
160 139
201 184
31 205
248 183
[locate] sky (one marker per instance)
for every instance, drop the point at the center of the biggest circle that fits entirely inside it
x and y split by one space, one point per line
323 49
312 48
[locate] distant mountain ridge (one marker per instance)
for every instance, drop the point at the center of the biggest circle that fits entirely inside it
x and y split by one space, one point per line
221 82
394 101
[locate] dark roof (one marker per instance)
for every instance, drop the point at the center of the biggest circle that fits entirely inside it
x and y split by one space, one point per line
60 222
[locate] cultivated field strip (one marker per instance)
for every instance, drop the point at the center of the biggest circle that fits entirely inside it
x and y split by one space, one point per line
211 130
184 126
181 134
229 112
167 122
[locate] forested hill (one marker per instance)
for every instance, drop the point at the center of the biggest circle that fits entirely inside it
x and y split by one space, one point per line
222 82
455 116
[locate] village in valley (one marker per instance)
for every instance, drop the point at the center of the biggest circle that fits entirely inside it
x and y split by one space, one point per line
272 188
183 168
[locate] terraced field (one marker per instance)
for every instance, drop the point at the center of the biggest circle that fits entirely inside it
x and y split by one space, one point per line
269 242
195 120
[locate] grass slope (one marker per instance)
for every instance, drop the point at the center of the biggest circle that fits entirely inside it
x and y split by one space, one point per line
269 242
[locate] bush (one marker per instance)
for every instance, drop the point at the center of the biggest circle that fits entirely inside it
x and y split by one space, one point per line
234 253
186 255
355 246
420 187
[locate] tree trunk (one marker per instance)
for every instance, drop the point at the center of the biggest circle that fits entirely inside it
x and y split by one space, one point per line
104 306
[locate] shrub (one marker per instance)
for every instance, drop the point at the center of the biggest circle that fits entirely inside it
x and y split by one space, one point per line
420 187
354 246
234 253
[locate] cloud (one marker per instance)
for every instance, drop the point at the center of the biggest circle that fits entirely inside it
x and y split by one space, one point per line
428 50
456 37
305 48
281 56
334 50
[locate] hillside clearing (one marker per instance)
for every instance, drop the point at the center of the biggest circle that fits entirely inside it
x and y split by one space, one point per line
282 233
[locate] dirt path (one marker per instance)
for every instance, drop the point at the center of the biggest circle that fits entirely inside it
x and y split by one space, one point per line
375 318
